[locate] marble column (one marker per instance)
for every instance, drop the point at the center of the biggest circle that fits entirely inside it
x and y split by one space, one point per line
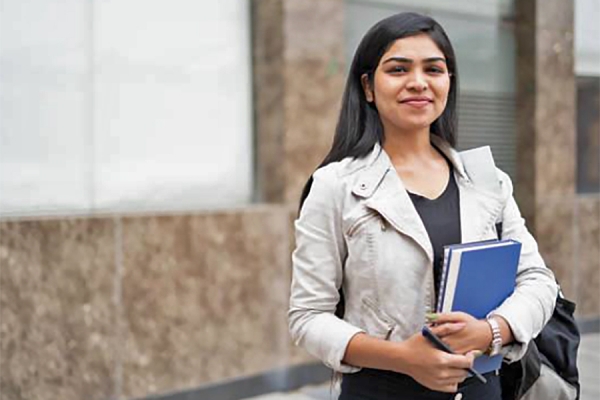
546 104
298 62
545 185
298 71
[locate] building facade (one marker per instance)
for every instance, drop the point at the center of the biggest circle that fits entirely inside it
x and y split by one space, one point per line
152 157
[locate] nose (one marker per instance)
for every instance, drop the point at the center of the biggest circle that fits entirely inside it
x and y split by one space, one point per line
417 82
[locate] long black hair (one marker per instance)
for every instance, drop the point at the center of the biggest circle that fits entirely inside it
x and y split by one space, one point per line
359 126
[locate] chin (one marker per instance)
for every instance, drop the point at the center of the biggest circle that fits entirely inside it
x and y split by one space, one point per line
416 124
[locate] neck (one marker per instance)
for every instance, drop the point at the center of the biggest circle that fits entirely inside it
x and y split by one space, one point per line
408 147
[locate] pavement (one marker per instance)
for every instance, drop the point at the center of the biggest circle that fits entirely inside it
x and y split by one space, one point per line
588 362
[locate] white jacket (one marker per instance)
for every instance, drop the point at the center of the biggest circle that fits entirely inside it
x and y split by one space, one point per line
359 229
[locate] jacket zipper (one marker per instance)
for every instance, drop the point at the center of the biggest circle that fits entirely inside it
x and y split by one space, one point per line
361 221
429 298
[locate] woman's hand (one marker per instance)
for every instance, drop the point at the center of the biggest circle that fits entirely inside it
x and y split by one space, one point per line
433 368
475 335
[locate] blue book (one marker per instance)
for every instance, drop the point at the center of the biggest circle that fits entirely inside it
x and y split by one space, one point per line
476 279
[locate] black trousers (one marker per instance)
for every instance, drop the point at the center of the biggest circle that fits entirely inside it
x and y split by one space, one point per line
373 384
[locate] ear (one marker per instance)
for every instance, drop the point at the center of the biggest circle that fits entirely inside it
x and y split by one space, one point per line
366 85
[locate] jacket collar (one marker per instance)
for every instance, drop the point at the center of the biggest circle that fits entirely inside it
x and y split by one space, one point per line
378 164
383 191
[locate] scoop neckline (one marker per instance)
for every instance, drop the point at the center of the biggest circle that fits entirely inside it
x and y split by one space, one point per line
441 195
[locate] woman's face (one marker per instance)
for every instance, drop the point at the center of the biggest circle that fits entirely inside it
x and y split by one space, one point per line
411 84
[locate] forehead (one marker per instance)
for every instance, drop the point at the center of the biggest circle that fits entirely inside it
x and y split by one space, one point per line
413 47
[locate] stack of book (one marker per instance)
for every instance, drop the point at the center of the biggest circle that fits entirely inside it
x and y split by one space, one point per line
476 279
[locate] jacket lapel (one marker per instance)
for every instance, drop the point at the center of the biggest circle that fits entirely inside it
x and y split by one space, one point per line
384 192
480 205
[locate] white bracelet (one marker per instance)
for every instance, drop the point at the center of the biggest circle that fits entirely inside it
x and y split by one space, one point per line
496 344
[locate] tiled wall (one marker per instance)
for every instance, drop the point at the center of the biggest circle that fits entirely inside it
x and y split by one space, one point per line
57 309
95 308
204 298
92 308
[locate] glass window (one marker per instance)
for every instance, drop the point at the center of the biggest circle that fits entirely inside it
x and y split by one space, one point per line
118 106
588 134
587 69
45 88
587 37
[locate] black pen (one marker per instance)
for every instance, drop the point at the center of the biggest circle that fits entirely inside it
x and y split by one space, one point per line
437 342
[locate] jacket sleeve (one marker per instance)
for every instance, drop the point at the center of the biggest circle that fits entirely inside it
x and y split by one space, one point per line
317 275
531 305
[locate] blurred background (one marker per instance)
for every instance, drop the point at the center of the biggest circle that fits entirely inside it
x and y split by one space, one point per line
152 154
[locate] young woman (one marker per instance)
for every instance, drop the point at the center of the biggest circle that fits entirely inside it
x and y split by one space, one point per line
374 219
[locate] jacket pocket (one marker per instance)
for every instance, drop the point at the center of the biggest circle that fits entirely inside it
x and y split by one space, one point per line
376 322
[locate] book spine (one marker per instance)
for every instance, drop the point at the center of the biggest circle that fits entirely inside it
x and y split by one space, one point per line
443 279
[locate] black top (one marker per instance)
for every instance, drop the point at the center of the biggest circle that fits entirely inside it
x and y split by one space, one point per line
441 217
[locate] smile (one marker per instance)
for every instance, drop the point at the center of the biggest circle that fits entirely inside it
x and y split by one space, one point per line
416 103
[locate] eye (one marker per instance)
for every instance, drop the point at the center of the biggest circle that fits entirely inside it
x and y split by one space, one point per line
398 69
435 70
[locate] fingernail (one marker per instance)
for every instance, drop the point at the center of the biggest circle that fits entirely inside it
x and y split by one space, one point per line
431 316
477 353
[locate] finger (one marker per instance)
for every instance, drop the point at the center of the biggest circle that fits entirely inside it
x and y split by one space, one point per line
454 375
471 357
455 316
474 354
459 361
458 342
448 328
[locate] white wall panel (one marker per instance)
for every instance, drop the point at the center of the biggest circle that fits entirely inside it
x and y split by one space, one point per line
173 122
44 103
587 37
122 105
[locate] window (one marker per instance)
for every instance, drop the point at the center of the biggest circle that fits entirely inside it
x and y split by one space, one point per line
124 106
588 134
587 70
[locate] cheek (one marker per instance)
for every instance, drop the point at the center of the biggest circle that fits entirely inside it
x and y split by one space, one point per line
386 95
444 100
442 94
386 84
445 89
383 88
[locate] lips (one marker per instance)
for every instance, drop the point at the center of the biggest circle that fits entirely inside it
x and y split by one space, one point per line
418 102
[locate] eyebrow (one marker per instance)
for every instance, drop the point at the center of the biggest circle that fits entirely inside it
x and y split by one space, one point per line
408 60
